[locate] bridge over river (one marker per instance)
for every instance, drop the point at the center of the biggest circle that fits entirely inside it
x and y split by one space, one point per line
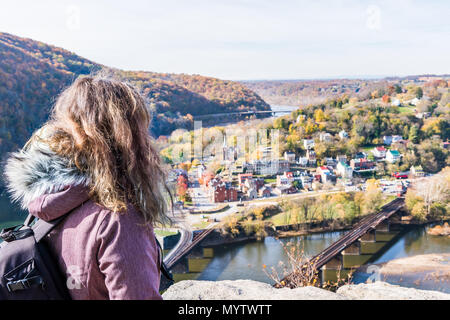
227 115
368 238
357 246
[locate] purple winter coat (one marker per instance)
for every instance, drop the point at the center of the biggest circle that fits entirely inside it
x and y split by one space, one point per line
105 255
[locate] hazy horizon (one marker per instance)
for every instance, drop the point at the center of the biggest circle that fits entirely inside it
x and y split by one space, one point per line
245 39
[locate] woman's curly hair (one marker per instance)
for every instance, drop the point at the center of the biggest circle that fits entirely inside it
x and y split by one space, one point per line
102 126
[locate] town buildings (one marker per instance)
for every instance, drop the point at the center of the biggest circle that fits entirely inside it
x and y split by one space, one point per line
325 137
417 171
393 156
289 156
362 164
343 134
286 179
266 167
388 140
326 174
308 144
341 158
379 152
344 170
220 191
265 192
311 156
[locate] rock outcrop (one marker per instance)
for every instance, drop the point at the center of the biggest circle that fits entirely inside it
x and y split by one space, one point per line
439 230
384 291
254 290
242 290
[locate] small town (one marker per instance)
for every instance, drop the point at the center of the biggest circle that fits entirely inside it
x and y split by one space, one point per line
242 181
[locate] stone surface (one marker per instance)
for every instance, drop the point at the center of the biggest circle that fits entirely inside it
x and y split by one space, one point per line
384 291
242 290
440 230
433 263
254 290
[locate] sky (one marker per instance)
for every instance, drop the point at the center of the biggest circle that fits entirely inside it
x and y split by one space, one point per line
245 39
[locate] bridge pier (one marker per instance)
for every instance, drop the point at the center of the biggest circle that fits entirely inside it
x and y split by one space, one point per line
383 226
335 263
353 249
331 270
191 265
182 266
352 256
369 236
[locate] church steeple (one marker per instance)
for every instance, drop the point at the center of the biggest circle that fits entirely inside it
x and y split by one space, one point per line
224 149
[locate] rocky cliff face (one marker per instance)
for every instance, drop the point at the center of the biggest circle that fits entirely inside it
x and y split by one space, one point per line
254 290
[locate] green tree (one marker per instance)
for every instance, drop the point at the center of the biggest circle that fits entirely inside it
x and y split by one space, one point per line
413 134
419 93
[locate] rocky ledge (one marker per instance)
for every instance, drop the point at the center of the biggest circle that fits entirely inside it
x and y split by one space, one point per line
440 230
254 290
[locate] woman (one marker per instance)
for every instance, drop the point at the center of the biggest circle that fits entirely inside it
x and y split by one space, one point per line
94 163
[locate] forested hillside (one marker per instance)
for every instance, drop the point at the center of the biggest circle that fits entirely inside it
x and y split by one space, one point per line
32 74
305 92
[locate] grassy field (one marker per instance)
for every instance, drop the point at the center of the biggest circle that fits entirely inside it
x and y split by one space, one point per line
164 233
201 225
368 148
282 218
406 109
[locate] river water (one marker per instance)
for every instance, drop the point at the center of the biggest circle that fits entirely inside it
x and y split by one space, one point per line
282 110
246 260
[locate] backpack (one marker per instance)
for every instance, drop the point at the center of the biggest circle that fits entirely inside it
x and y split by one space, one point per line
28 269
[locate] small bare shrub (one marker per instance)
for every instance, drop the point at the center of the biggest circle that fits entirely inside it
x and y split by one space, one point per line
300 271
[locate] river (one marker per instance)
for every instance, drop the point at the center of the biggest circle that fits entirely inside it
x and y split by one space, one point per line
282 110
246 260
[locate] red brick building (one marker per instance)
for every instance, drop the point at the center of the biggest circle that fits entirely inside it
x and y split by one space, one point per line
223 193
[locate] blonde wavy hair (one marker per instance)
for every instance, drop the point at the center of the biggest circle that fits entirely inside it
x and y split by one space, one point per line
102 126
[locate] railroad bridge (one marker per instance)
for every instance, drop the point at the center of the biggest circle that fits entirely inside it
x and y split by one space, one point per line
367 239
241 114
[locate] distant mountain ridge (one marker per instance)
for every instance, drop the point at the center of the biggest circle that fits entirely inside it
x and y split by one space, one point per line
313 91
33 73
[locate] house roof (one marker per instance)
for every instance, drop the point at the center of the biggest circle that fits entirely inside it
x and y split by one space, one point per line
394 152
344 164
245 175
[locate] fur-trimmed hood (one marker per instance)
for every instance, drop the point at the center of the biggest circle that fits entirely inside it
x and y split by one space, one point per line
36 171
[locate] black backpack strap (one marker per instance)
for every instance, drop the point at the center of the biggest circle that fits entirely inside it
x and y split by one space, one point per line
164 270
41 228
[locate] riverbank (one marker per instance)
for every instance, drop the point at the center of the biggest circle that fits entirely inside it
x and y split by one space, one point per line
254 290
293 230
429 271
435 263
304 231
439 230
